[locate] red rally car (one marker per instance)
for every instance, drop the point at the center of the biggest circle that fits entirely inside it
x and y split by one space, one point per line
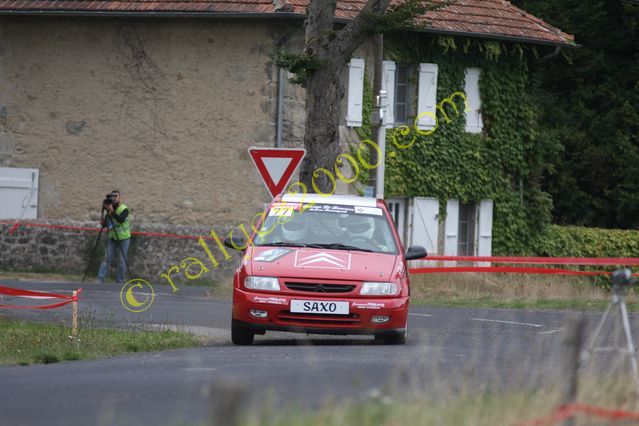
323 265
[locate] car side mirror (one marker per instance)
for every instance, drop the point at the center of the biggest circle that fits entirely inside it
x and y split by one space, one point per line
415 252
235 243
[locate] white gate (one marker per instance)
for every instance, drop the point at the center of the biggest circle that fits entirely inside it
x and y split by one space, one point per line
425 228
18 193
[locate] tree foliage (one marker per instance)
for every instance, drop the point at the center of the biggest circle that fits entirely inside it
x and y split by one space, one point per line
589 105
328 47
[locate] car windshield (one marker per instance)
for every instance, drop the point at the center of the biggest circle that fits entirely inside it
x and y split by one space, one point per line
327 226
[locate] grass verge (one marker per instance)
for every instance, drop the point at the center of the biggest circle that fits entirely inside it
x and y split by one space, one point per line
41 276
23 343
512 291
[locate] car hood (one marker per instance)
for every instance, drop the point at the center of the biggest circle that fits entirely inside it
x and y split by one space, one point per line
320 263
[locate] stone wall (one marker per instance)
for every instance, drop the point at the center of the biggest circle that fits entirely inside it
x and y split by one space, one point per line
49 246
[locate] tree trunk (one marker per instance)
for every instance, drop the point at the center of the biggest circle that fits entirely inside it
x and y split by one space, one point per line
321 139
323 94
325 89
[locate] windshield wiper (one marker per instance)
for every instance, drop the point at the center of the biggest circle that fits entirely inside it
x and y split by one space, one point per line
290 244
339 246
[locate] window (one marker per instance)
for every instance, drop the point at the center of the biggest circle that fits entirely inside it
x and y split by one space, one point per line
468 229
466 242
401 93
328 226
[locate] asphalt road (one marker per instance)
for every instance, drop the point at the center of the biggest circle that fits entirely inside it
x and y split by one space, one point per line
448 349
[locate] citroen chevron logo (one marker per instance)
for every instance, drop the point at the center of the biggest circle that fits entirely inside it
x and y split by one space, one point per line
323 260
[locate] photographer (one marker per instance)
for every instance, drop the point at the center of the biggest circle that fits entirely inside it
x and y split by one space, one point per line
116 219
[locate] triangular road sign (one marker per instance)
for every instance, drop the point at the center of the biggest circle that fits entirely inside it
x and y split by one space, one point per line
276 165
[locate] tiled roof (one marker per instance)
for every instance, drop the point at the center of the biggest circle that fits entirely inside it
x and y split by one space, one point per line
487 18
496 18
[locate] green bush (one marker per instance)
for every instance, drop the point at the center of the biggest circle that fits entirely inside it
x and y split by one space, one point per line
578 241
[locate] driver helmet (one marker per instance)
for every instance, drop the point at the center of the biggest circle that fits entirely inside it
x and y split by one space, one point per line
294 230
360 226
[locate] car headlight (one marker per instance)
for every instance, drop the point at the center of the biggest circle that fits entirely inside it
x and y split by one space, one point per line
378 289
262 283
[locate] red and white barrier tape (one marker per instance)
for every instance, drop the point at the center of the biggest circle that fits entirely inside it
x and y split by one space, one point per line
507 269
17 225
591 261
30 294
566 411
628 261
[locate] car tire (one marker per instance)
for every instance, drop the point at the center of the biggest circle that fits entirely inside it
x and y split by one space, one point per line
395 338
241 335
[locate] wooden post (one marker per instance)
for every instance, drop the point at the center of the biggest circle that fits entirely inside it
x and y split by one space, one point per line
74 319
570 363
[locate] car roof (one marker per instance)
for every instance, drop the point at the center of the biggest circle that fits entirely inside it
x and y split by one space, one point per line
346 200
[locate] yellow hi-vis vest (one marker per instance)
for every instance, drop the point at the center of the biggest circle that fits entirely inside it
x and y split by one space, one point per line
123 230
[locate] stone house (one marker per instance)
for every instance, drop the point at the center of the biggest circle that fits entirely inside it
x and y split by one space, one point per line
162 100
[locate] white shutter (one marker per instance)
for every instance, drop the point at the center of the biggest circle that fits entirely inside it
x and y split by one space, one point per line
18 193
451 228
485 234
388 84
425 223
427 95
355 92
474 122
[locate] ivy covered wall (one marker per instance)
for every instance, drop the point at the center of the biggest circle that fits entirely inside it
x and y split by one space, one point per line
504 163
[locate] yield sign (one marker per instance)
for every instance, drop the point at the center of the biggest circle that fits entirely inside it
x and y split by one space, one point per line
276 165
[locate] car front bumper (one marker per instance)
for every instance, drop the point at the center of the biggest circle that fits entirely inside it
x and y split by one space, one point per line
279 317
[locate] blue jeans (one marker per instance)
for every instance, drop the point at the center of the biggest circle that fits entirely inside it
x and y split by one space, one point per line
113 250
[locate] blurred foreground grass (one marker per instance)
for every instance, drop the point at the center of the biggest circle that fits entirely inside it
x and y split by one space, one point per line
462 407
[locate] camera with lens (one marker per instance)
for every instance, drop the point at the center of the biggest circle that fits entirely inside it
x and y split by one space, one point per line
108 200
623 278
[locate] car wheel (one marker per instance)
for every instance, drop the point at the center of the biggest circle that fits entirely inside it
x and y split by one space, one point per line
241 335
395 338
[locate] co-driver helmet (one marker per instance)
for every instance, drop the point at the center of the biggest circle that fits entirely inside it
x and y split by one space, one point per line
359 226
294 230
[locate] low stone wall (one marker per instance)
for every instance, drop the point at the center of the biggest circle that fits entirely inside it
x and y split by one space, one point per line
68 247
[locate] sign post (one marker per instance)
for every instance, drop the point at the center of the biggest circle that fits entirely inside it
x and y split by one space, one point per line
276 166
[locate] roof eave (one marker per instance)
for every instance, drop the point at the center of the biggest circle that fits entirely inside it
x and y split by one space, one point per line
514 39
151 14
290 15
